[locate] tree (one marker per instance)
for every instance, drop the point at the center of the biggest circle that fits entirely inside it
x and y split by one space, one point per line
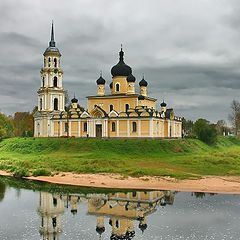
67 99
23 124
234 116
221 127
6 126
187 126
204 131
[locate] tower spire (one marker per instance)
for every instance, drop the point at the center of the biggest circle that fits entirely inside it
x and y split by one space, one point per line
52 42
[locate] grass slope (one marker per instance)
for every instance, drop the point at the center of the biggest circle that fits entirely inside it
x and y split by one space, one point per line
181 158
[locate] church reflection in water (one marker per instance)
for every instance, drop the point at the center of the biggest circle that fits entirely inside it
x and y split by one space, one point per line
122 211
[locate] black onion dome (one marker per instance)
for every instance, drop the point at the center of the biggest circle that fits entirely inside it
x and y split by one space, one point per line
141 97
131 78
163 104
100 230
111 85
121 69
143 83
74 100
101 80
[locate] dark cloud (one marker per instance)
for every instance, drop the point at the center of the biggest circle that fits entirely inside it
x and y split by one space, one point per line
188 50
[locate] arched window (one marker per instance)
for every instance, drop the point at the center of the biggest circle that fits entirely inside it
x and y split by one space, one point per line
55 81
113 126
85 127
111 107
117 87
43 82
126 107
49 62
45 62
134 126
55 62
40 103
55 103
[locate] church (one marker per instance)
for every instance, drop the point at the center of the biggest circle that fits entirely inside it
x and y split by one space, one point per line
127 112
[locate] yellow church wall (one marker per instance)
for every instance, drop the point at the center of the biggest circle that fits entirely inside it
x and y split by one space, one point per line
74 128
178 129
119 103
166 129
122 127
82 132
149 103
132 133
110 132
56 128
145 128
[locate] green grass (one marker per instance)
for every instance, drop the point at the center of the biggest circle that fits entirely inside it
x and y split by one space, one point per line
182 158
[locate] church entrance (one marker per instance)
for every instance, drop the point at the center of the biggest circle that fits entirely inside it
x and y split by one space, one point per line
99 130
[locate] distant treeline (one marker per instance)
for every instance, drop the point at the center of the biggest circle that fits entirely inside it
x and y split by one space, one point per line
18 125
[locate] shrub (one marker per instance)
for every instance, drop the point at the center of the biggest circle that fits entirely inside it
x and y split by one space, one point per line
41 172
20 173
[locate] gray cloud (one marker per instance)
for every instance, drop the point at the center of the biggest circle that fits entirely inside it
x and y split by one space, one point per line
188 50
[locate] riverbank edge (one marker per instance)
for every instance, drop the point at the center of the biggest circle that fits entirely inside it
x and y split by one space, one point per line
208 184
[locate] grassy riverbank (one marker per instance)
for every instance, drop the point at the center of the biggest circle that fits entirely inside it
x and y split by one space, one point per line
181 158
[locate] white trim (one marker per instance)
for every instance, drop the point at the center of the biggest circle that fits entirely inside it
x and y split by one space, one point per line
117 128
79 128
151 127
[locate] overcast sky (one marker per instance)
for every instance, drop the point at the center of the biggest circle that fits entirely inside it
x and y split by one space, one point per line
189 50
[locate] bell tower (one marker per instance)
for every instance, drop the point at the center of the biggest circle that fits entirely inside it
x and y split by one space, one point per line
51 95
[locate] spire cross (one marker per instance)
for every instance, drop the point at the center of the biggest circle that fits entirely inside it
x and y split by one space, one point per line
121 53
101 73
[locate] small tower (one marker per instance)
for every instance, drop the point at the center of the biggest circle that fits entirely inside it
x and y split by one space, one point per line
120 72
51 95
101 85
163 106
131 84
74 103
141 100
143 87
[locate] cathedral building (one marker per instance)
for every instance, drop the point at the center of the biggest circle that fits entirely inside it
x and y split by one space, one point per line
126 112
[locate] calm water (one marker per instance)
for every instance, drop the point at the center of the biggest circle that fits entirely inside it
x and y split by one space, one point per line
27 214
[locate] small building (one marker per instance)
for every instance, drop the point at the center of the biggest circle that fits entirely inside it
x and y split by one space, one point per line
125 112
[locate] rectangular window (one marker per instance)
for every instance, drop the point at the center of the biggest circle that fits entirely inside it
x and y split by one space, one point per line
66 127
134 126
113 127
85 127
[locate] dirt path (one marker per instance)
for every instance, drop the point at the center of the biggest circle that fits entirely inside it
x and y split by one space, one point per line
212 184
